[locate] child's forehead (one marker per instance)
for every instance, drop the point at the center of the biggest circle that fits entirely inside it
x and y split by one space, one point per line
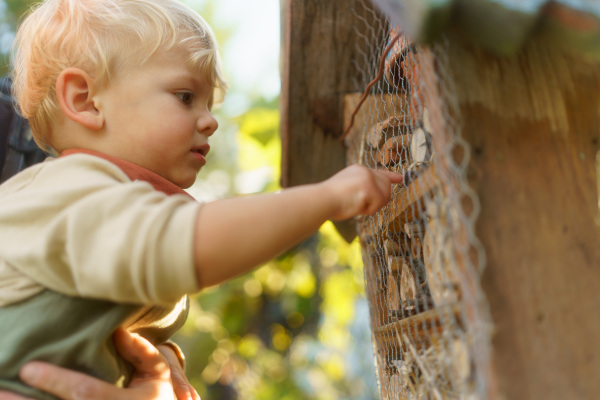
180 60
189 56
167 53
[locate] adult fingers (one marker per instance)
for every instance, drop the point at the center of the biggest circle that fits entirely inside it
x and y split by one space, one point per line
12 396
145 358
183 390
152 377
195 395
66 384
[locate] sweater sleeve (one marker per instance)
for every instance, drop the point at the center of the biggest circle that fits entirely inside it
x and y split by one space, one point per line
89 231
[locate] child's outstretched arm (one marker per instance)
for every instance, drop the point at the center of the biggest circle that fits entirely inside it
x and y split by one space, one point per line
237 234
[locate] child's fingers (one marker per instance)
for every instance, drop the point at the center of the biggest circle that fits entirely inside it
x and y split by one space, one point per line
392 176
383 181
363 190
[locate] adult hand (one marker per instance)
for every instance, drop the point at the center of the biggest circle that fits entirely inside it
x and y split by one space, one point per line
151 379
182 388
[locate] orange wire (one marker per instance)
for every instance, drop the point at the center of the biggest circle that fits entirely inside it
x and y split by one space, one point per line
370 85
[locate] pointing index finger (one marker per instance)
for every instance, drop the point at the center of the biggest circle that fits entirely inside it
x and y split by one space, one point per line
392 176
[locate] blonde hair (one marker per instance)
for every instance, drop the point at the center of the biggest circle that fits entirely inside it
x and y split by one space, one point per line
102 37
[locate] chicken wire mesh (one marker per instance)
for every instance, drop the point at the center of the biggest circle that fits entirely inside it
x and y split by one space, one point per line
423 261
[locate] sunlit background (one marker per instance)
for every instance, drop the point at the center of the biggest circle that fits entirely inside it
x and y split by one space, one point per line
297 327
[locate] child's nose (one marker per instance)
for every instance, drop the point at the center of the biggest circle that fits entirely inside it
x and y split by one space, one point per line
207 124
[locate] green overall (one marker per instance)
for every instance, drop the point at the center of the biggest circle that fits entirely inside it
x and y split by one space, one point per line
71 332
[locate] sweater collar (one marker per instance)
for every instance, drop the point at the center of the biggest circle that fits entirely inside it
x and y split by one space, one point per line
134 172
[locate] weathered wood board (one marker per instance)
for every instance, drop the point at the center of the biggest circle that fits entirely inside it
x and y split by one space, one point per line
534 132
319 48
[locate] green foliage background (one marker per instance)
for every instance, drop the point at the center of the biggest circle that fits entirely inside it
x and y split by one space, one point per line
295 328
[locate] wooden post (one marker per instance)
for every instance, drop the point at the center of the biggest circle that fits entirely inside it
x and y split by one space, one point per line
319 53
320 46
533 125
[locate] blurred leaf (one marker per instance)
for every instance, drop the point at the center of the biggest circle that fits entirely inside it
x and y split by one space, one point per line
262 124
339 292
17 8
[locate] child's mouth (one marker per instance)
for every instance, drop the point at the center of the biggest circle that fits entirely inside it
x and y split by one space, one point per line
200 152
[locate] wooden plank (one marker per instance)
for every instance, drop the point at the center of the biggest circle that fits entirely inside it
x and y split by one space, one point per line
320 44
419 328
535 137
441 106
393 293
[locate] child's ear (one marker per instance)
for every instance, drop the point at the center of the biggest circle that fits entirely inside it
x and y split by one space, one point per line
75 90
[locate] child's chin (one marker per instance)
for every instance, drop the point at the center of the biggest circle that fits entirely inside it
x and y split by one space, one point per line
186 183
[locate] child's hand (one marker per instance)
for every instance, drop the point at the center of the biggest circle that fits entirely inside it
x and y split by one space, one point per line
264 226
360 190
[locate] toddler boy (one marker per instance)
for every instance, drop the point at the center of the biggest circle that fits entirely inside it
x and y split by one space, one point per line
104 236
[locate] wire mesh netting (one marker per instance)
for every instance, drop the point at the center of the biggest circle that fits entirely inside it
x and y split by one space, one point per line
423 261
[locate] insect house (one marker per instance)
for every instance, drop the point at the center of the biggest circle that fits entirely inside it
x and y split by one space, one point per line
483 272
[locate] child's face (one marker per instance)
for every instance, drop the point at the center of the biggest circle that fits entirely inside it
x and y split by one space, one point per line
157 116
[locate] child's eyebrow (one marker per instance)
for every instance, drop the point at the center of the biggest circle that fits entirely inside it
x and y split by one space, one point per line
190 79
185 77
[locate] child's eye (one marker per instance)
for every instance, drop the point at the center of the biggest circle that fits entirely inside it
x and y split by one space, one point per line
185 97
